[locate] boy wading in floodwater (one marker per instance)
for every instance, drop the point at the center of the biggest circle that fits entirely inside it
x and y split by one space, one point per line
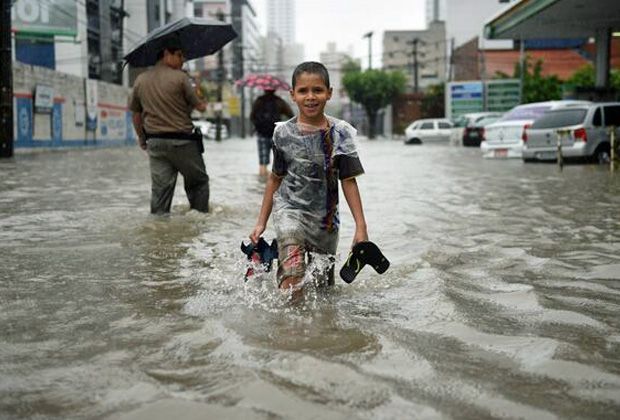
311 152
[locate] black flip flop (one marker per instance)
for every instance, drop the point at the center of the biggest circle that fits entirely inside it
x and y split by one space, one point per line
361 254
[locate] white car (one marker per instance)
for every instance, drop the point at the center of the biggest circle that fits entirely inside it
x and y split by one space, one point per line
505 138
429 130
212 132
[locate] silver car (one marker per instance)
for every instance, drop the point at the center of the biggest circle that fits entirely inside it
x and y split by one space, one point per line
504 138
584 133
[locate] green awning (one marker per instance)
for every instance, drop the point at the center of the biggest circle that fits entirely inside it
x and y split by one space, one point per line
540 19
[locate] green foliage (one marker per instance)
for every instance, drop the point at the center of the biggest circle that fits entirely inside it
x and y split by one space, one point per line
536 87
350 66
373 89
433 102
585 78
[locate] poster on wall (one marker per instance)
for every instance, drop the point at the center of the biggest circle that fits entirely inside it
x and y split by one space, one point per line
56 122
112 124
80 113
43 99
91 104
24 120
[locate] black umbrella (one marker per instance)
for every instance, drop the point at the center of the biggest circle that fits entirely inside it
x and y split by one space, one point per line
198 37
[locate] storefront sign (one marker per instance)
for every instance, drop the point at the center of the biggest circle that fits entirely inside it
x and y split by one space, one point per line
51 17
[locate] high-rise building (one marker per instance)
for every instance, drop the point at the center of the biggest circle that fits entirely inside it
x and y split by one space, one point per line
334 61
420 55
435 10
282 52
281 20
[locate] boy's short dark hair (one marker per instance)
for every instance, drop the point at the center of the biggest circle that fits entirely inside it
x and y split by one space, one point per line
311 67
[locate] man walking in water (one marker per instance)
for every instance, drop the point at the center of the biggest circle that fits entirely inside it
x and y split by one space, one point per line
161 102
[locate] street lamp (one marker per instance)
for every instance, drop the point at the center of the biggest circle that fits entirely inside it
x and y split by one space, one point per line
369 36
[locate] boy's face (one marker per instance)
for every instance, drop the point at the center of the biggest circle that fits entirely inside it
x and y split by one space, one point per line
310 94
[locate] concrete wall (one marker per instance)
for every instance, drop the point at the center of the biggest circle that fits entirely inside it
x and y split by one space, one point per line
67 123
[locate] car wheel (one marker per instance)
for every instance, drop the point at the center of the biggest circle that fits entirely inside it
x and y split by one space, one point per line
414 140
602 154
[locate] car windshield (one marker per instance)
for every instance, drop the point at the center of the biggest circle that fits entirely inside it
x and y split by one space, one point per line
460 121
486 121
560 118
526 113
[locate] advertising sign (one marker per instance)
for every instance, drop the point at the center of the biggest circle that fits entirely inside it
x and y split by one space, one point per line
51 17
503 94
24 120
498 95
43 99
92 98
56 122
234 106
463 98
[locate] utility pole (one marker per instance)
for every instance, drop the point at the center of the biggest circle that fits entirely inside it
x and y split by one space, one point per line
369 36
220 83
522 68
451 68
415 64
6 81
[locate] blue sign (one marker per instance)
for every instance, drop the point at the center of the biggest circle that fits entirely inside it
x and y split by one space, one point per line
24 120
129 122
57 123
463 98
459 87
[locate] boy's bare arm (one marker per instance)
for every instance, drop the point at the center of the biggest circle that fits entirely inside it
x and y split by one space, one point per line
273 183
352 194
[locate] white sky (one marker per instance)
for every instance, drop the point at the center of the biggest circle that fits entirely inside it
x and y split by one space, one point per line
346 21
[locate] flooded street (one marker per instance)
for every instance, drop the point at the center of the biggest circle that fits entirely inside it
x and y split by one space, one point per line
502 300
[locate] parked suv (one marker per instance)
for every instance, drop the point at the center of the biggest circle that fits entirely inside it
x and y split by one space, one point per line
504 138
585 133
429 130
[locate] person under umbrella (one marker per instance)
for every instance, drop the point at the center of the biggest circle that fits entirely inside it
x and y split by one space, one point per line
161 102
267 110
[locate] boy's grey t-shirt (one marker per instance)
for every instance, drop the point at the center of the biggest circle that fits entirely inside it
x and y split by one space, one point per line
312 162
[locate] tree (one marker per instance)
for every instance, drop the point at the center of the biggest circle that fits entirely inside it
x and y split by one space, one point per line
536 87
433 102
584 78
373 89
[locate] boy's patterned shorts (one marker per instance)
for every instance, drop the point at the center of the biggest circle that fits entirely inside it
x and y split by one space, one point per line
292 262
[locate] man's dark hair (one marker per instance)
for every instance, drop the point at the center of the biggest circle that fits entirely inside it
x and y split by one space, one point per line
172 44
311 67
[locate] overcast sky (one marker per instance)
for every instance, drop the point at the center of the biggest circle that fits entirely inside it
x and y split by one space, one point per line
346 21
